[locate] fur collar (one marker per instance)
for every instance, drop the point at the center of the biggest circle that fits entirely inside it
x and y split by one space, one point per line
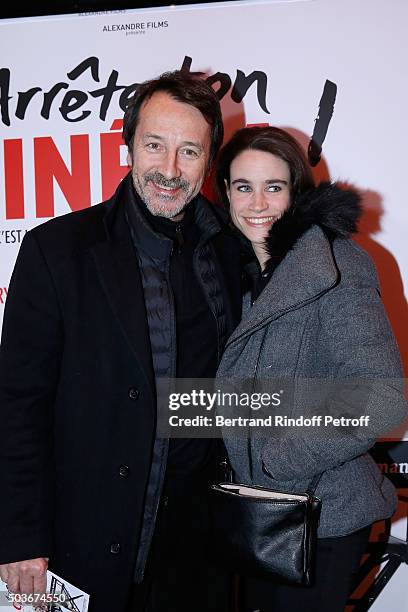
334 209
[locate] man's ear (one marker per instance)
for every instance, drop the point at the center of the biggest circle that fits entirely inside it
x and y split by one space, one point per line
129 159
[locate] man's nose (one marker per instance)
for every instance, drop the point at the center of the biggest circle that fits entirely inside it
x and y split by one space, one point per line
258 202
169 167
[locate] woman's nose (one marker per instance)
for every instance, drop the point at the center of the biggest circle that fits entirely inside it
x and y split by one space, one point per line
258 202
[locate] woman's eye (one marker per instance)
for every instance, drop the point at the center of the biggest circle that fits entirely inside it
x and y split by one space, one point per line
274 188
244 188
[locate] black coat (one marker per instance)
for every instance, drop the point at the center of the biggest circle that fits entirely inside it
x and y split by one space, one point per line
77 401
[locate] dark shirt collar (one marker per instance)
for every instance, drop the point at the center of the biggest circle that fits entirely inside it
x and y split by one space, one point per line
156 235
167 227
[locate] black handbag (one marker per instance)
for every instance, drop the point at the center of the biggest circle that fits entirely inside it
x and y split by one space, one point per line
266 533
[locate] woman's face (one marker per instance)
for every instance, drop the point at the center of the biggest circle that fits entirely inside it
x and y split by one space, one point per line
259 192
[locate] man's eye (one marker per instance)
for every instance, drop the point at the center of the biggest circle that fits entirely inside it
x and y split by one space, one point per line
189 152
153 146
244 188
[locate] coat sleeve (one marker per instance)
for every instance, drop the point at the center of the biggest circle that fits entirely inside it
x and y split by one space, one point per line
356 338
30 355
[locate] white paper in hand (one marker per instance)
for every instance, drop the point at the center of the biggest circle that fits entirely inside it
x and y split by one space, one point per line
61 596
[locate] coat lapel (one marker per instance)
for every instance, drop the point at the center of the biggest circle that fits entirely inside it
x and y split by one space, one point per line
305 273
116 262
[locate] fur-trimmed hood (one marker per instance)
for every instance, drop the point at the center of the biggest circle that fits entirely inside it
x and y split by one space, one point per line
334 209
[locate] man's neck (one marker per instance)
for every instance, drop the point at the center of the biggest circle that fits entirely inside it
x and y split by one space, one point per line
164 225
178 217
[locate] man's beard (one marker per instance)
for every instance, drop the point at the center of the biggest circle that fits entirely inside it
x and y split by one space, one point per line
160 204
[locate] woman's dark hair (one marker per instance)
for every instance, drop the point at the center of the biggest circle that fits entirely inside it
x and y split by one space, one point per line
183 87
271 140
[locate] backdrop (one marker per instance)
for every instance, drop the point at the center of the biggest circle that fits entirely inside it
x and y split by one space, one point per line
334 70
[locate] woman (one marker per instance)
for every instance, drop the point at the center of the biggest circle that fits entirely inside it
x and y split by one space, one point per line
313 313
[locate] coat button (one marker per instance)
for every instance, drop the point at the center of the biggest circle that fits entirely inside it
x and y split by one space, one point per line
115 548
133 393
124 471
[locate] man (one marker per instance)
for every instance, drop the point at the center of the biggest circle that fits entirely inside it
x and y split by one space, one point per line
102 303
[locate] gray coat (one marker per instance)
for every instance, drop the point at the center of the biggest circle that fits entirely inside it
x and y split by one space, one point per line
320 318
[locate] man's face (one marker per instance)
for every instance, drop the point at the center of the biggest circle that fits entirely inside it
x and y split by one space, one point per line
170 154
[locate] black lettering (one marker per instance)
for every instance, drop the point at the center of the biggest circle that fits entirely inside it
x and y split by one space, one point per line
49 98
72 101
187 65
23 100
127 95
322 121
243 83
4 95
225 83
89 62
107 93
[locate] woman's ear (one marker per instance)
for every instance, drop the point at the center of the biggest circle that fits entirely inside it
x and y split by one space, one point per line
227 189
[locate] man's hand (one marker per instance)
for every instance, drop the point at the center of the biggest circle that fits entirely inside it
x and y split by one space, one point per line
25 576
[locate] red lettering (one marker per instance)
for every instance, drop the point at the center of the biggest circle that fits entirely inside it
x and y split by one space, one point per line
13 178
112 171
117 125
49 165
257 125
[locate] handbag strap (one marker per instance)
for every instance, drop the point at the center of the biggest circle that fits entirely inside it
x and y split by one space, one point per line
227 469
313 483
229 475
